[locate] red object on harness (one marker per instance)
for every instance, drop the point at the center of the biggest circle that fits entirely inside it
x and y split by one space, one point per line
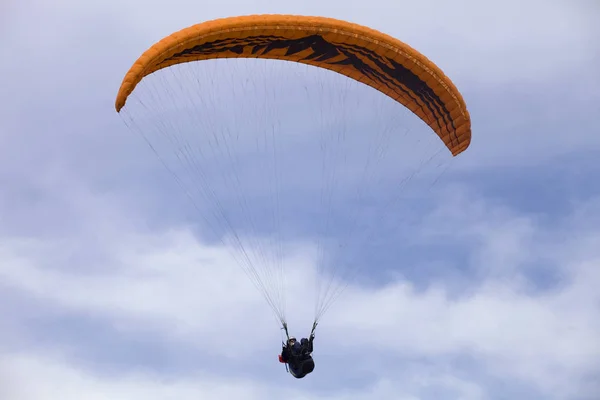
281 359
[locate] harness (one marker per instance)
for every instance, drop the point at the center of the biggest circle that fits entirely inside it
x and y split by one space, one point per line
287 335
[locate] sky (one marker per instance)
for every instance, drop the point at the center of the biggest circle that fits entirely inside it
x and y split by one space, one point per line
479 282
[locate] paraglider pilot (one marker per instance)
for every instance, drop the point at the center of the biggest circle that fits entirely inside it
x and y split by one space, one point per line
298 356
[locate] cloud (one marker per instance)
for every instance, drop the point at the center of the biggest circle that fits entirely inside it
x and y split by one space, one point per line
56 378
169 287
499 58
486 290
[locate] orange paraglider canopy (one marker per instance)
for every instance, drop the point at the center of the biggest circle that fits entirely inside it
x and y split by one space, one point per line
366 55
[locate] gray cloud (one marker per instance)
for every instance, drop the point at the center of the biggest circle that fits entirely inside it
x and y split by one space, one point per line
157 292
107 291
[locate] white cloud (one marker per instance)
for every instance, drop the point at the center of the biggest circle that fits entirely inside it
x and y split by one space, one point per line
72 250
193 294
508 58
54 378
493 43
37 377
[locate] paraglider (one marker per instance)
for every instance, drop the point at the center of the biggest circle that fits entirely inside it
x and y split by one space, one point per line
366 55
298 356
362 54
